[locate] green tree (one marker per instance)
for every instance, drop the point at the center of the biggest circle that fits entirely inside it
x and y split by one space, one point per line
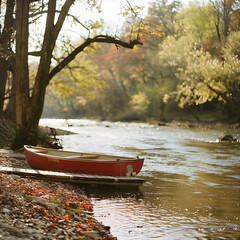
199 22
74 85
206 78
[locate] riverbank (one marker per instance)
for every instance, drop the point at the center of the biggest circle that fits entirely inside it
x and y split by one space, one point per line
47 135
198 125
32 209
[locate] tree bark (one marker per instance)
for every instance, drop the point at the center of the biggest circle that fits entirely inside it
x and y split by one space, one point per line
3 80
10 112
24 132
5 54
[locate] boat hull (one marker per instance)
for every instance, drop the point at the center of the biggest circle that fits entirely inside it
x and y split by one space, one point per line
108 167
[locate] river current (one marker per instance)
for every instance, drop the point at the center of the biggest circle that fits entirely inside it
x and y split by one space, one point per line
192 188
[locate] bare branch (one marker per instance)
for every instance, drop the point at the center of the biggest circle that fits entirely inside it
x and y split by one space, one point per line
89 41
61 18
36 54
74 18
58 11
132 9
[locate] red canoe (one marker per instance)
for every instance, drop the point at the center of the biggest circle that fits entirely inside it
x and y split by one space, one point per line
82 163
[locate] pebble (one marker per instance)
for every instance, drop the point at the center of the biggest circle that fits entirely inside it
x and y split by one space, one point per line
5 210
51 206
14 176
92 234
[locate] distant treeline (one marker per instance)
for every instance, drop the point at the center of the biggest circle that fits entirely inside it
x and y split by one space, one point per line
187 69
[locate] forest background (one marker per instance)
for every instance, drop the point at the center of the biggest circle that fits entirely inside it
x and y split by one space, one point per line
184 64
187 69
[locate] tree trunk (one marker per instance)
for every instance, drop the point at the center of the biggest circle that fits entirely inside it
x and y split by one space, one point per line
24 130
10 112
3 80
29 109
5 52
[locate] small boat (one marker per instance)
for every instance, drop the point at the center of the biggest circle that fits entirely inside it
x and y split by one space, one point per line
81 163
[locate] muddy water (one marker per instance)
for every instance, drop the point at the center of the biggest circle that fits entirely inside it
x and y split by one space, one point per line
192 188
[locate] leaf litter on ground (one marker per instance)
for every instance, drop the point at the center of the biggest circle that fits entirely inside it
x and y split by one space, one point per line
32 209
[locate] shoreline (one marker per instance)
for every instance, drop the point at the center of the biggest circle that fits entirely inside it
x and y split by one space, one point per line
47 135
157 123
37 209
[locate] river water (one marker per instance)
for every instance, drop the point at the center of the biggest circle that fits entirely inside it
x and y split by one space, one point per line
192 188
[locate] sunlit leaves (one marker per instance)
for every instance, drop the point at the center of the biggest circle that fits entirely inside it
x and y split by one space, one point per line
232 47
206 78
173 52
139 102
138 27
199 22
202 78
78 79
144 30
131 11
196 78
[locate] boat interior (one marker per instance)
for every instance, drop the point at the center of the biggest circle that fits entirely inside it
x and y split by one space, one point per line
77 155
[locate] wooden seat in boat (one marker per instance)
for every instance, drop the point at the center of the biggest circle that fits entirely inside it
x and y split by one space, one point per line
84 156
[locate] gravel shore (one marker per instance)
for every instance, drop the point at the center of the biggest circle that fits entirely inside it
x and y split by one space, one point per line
36 209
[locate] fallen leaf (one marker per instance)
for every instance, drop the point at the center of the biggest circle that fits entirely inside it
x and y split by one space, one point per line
53 225
66 217
55 219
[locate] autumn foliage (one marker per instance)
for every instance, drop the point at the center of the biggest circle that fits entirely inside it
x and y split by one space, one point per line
51 207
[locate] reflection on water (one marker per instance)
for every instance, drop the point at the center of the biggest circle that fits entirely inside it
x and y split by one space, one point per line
192 188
